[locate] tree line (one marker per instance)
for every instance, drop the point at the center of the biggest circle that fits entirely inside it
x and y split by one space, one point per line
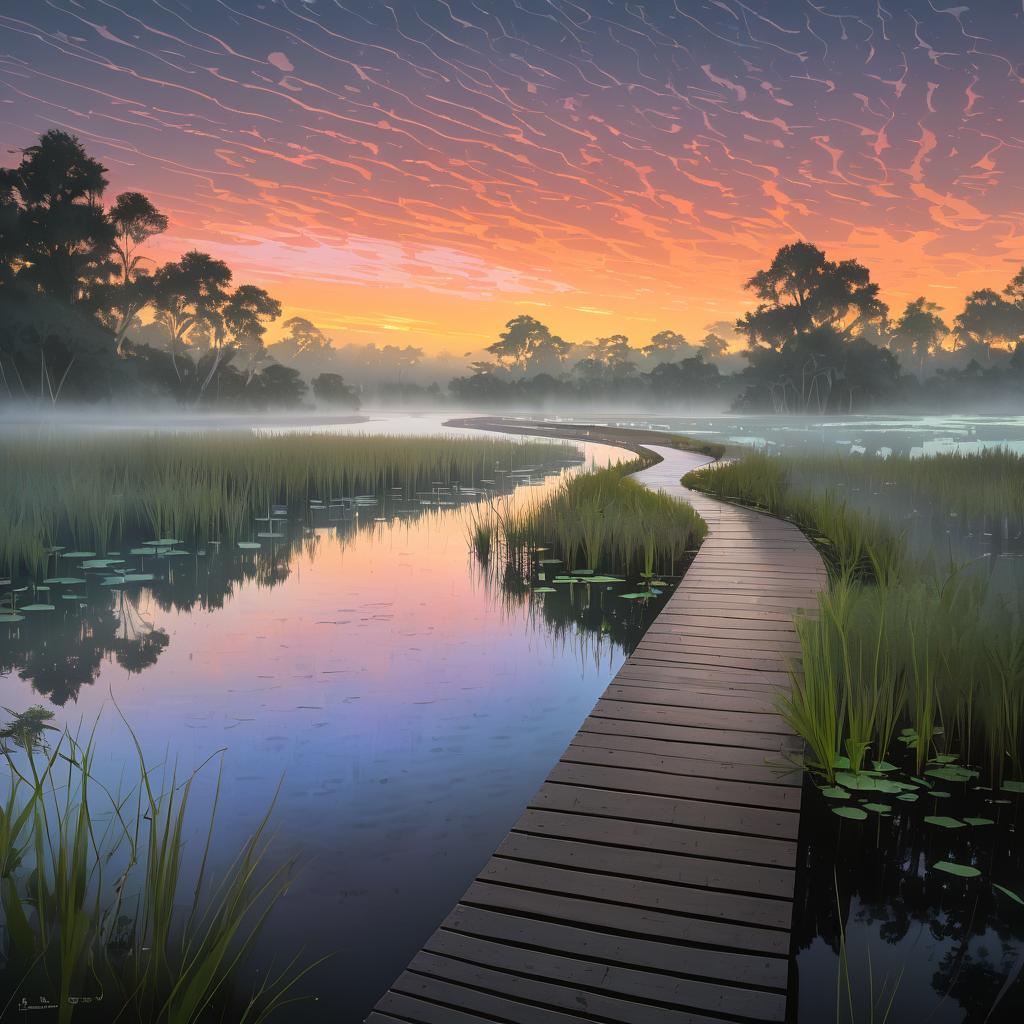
88 316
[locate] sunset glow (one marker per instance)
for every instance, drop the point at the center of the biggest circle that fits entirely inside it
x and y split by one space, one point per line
421 171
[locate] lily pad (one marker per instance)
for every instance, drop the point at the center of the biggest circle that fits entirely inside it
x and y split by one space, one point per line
1013 786
248 545
907 797
641 593
884 766
853 813
143 551
835 793
131 577
841 761
856 780
65 580
977 822
173 553
943 822
79 554
943 759
583 572
11 617
36 608
939 792
269 533
605 579
960 870
878 808
544 590
952 773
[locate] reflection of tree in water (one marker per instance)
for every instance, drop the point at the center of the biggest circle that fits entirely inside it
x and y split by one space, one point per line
889 890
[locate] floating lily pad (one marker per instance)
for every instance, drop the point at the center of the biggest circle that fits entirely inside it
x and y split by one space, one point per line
605 579
878 808
550 561
907 797
79 554
248 545
841 761
856 780
1013 786
952 773
1008 892
835 793
943 822
939 792
960 870
11 617
64 580
101 563
978 822
172 553
583 572
72 597
269 533
884 766
143 551
943 759
544 590
131 577
854 813
36 608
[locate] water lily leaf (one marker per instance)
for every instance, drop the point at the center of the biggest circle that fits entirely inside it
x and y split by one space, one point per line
247 545
939 793
79 554
884 766
544 590
878 808
270 533
172 553
943 822
642 593
143 551
131 577
1008 892
1013 786
960 870
835 793
908 797
658 583
11 617
72 597
841 761
550 561
605 579
36 608
854 813
888 786
979 821
856 780
583 572
952 773
943 759
65 580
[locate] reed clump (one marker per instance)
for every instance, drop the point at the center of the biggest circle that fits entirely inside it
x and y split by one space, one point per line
595 519
900 656
100 908
92 490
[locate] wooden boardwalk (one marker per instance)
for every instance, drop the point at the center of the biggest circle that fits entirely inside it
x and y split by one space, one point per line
650 880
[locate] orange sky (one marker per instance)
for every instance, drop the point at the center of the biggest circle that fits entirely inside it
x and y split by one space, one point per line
420 173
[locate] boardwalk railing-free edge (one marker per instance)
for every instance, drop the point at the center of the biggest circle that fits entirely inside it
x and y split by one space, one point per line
650 879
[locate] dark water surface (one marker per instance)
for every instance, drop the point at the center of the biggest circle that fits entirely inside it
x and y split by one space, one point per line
407 708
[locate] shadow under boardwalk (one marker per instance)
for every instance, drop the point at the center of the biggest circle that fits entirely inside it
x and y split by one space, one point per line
650 880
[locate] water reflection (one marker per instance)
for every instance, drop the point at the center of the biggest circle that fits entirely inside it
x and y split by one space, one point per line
410 708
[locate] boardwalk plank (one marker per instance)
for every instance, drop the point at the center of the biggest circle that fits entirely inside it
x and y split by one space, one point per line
650 880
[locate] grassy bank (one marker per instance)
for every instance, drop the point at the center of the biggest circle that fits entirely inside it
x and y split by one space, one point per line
594 520
94 490
906 654
104 902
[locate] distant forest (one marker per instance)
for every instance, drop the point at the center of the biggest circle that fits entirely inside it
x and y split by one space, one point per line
86 317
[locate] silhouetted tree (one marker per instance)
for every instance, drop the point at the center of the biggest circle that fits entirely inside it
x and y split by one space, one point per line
331 389
919 331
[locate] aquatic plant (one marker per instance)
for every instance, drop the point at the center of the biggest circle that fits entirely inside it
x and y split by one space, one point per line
899 649
600 518
93 489
94 890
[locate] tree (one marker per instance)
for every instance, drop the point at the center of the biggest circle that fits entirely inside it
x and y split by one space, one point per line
190 294
667 347
527 341
278 385
802 291
331 389
244 319
64 239
919 331
687 381
304 338
135 220
713 346
990 321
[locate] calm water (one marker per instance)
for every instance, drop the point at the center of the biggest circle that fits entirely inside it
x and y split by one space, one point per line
407 708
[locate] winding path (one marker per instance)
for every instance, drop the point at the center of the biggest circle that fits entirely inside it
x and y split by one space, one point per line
650 880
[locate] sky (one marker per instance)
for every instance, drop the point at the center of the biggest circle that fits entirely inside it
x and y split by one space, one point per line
421 171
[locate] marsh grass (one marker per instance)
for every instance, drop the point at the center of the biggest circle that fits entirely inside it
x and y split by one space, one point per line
101 910
902 655
96 488
595 519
